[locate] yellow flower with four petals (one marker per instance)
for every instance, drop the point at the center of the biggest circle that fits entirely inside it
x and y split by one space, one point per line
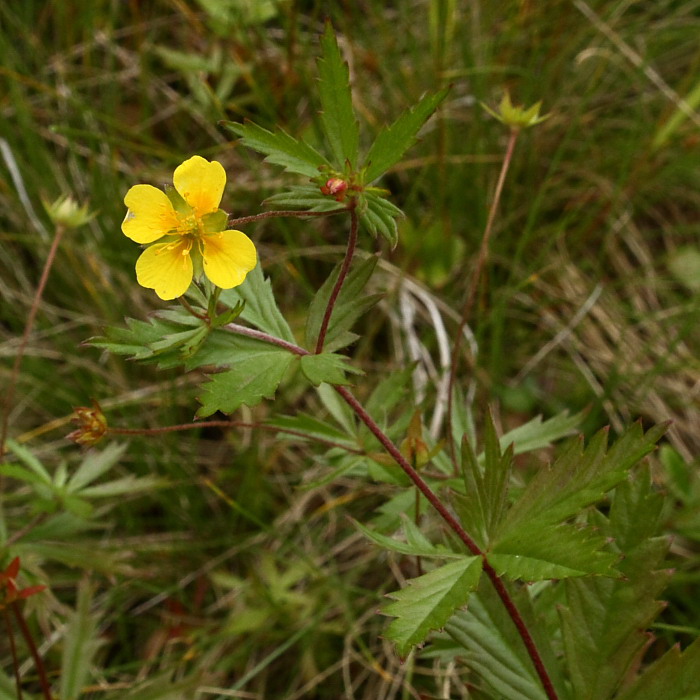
189 219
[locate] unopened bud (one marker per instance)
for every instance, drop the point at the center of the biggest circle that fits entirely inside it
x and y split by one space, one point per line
335 187
516 116
92 425
67 212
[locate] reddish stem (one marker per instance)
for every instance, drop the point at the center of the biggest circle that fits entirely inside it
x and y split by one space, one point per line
282 212
43 680
10 392
433 499
473 289
350 251
13 652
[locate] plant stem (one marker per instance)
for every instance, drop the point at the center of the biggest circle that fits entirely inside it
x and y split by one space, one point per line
349 252
10 392
43 680
283 212
434 501
474 288
13 652
230 424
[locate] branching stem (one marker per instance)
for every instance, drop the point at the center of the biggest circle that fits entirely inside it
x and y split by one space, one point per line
432 498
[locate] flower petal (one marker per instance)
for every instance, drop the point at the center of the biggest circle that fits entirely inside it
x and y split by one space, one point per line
167 268
228 257
201 184
151 215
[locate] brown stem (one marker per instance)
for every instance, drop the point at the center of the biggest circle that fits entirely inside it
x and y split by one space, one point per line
282 212
349 252
43 680
13 652
192 311
434 501
473 289
38 520
230 424
10 391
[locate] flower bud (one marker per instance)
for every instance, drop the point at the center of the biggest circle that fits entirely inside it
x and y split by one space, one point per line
92 425
66 212
336 187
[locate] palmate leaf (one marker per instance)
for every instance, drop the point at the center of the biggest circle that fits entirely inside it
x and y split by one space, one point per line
603 623
339 123
279 147
255 375
674 676
429 601
349 306
378 216
393 141
261 309
577 479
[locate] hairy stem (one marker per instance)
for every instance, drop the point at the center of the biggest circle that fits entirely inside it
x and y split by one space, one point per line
349 252
283 212
38 662
10 391
434 501
473 290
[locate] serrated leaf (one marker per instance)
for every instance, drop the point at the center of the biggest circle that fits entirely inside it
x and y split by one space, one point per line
393 141
674 676
303 197
416 544
279 148
349 305
327 367
429 601
261 309
558 552
339 123
495 650
578 478
311 427
379 216
254 376
536 434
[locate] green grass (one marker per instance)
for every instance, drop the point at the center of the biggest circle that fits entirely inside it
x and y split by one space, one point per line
255 584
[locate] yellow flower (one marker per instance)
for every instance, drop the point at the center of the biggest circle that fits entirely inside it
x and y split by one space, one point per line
189 219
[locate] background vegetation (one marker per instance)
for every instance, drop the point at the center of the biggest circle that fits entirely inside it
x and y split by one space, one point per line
234 575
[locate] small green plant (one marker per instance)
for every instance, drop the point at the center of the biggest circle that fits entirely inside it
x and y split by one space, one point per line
544 585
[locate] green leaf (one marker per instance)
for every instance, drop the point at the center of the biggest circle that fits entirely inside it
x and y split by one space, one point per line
558 552
279 147
303 197
128 485
81 642
261 309
578 478
254 376
312 427
327 367
416 543
672 677
28 458
379 216
429 601
349 306
339 123
393 141
495 650
535 434
94 465
604 621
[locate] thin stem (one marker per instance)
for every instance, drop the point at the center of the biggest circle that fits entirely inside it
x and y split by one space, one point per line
283 212
191 310
474 288
13 652
434 501
230 424
38 662
10 392
349 252
19 534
